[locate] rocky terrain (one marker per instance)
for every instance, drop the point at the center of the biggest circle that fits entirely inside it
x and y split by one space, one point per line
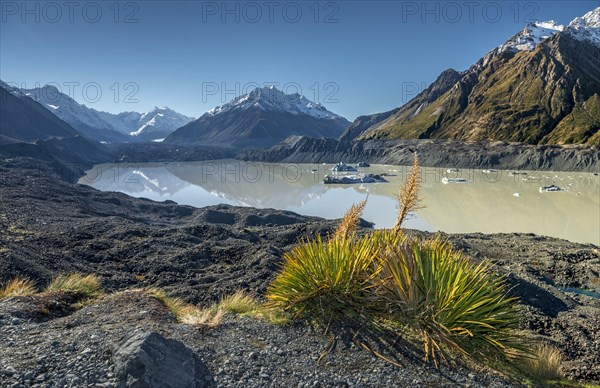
86 348
432 153
49 226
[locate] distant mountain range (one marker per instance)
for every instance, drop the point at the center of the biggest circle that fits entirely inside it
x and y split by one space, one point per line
29 129
260 118
157 123
22 119
541 87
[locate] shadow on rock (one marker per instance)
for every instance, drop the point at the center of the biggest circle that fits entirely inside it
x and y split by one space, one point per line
147 359
535 296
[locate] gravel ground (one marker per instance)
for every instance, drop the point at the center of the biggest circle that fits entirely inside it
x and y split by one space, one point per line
77 349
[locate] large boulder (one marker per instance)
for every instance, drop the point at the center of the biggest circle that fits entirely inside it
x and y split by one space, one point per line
147 359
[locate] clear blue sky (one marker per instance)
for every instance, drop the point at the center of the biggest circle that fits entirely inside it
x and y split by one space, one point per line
356 57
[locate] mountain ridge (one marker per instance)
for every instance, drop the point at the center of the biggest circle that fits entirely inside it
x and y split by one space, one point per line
22 119
261 118
547 94
97 125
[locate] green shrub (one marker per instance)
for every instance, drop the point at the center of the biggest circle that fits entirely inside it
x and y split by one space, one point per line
324 279
395 282
452 302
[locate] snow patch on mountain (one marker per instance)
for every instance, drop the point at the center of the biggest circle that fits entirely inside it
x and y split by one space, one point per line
163 120
532 35
272 99
160 120
586 27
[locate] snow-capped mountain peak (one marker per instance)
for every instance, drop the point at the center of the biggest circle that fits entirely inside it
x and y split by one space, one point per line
269 98
158 122
532 35
586 27
160 119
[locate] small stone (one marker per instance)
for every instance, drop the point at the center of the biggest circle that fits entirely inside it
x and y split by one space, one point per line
10 371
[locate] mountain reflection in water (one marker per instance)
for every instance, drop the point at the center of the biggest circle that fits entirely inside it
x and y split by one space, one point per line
488 203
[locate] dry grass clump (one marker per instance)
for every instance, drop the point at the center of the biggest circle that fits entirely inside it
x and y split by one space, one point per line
237 303
86 285
176 306
544 365
202 317
18 286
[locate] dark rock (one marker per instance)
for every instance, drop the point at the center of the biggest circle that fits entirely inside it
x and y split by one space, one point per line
146 359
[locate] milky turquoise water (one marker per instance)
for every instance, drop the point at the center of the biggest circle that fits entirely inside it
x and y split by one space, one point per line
488 203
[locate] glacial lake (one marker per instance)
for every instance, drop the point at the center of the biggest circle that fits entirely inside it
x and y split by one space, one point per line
490 202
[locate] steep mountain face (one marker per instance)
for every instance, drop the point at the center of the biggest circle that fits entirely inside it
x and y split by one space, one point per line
441 85
541 87
103 126
261 118
362 123
22 119
27 129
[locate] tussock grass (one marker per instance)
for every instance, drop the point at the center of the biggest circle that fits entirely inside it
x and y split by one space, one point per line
544 364
176 306
19 286
237 303
87 285
202 317
271 314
